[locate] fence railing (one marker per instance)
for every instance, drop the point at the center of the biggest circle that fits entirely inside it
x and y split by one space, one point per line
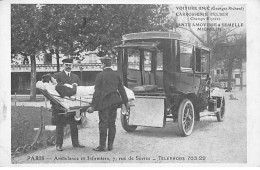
53 67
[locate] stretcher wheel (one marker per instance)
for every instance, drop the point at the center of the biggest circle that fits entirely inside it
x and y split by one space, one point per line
124 122
186 118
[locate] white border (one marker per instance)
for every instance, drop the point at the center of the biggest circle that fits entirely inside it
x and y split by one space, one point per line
253 72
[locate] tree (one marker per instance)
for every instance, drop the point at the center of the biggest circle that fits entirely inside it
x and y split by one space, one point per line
62 25
225 44
26 36
71 28
232 51
108 22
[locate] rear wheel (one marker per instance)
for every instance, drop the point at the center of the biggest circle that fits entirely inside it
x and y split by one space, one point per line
125 120
221 113
186 118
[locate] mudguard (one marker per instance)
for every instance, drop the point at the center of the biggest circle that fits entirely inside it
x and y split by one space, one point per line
216 92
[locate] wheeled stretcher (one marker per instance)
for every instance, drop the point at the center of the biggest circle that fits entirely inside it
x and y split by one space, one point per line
77 103
68 105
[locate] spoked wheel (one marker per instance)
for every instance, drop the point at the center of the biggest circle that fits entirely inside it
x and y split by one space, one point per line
221 113
186 117
125 120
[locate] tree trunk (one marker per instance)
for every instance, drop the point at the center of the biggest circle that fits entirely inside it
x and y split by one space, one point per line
241 78
208 32
230 68
33 79
58 60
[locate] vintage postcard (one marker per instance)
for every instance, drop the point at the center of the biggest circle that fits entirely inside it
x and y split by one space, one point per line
171 83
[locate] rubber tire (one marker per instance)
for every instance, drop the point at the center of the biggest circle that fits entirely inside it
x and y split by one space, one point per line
125 125
182 131
220 116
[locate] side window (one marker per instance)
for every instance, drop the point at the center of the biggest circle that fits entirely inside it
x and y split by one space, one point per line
204 61
159 62
133 59
237 75
198 60
186 57
147 61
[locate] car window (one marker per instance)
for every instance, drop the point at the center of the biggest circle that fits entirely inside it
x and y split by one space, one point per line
147 61
186 58
133 59
204 61
159 61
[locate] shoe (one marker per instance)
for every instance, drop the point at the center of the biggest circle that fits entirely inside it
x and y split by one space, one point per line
110 148
100 149
78 146
59 148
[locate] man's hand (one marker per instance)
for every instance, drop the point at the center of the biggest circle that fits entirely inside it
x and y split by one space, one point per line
90 110
68 85
127 105
54 81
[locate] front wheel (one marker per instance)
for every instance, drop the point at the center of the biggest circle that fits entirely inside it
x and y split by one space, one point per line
186 118
124 122
221 113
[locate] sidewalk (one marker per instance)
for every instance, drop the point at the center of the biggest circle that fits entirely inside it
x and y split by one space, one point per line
23 100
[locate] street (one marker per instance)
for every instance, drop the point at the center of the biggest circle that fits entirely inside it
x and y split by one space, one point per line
210 142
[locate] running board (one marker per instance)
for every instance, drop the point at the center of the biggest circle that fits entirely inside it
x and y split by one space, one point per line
209 113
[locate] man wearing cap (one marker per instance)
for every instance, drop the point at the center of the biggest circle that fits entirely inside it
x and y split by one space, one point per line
61 120
109 95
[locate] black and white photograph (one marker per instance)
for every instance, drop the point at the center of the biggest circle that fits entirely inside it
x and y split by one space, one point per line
97 83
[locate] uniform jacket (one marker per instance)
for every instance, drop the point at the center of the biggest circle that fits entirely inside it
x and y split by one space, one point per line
108 89
62 78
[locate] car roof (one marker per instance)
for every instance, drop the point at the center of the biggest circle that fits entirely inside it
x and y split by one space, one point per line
159 35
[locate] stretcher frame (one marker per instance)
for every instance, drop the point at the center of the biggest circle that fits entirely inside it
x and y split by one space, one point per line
60 106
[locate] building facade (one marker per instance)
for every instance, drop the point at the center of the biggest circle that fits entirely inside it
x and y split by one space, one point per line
86 67
220 75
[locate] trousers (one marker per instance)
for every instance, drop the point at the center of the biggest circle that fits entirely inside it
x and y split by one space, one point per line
73 131
107 127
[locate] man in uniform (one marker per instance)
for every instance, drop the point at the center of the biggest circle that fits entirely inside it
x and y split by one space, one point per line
106 100
61 120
